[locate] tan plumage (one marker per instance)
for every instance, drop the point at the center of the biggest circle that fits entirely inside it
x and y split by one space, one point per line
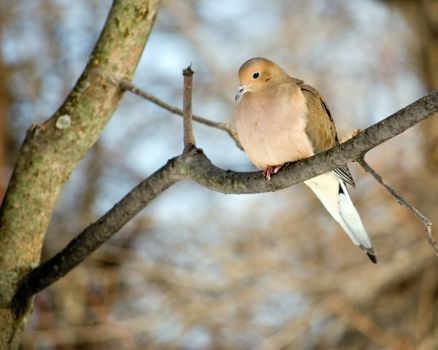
281 119
320 127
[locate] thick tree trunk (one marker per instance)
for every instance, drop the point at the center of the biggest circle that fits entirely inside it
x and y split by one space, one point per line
52 150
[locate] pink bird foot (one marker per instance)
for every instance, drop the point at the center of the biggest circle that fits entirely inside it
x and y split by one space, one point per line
271 170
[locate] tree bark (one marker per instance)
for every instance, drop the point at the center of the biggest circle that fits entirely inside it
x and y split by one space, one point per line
52 150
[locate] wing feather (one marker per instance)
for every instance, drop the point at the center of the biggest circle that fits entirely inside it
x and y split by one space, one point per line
321 128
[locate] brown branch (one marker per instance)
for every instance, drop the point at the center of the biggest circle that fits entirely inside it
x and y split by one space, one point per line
384 125
403 202
189 139
206 174
128 86
96 234
194 165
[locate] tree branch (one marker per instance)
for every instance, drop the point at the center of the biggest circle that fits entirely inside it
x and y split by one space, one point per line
97 233
206 174
194 165
403 202
189 139
426 222
126 85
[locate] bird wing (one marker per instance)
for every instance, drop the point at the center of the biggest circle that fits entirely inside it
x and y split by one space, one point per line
321 128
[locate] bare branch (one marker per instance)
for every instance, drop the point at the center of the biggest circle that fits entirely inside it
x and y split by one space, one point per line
206 174
194 165
128 86
403 202
189 139
96 234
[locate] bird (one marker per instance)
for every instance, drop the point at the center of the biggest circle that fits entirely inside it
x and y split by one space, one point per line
281 119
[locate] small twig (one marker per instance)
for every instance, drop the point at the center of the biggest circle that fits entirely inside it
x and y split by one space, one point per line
189 139
128 86
420 216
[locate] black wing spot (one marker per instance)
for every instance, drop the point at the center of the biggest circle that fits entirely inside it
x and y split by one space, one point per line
340 190
372 257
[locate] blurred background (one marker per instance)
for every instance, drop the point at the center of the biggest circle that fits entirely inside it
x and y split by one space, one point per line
202 270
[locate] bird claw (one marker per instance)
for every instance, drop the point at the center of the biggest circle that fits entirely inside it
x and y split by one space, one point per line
267 173
271 170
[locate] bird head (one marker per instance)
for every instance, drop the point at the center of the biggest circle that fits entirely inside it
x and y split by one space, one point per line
256 74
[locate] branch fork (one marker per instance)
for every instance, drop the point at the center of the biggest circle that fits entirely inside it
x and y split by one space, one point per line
194 165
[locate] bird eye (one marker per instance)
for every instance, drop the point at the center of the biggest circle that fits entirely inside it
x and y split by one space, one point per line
256 75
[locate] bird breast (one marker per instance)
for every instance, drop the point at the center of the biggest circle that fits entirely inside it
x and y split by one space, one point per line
271 126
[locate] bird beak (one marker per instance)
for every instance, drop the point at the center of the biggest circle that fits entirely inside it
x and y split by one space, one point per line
240 92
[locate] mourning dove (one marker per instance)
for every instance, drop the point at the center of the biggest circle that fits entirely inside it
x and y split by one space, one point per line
281 119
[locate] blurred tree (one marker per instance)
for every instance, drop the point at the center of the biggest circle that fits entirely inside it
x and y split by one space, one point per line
423 19
5 105
261 272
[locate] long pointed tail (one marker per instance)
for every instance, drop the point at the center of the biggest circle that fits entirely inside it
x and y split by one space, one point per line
333 194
